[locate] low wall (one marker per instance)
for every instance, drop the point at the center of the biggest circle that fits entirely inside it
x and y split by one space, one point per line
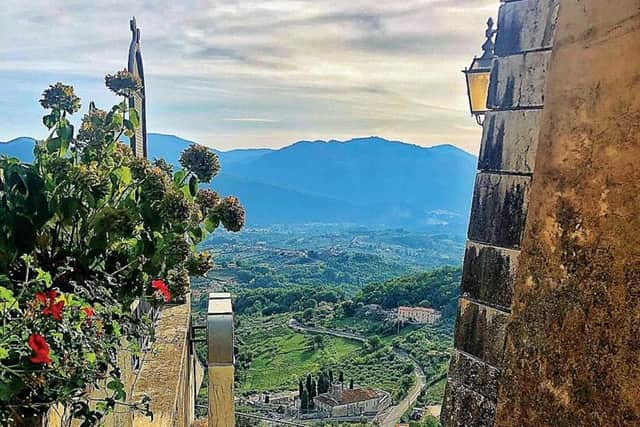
169 374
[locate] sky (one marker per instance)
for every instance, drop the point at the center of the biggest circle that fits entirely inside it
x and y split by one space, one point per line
255 73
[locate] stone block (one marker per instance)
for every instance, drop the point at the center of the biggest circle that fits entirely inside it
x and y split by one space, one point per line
499 209
463 407
510 141
488 274
526 25
518 81
474 374
480 331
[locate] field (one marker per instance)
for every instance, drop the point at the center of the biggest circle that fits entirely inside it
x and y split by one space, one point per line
280 357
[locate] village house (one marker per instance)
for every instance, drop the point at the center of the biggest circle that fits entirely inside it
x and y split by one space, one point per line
418 315
342 402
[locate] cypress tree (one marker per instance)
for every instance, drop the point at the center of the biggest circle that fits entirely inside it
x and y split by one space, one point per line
313 392
300 389
309 385
351 383
341 377
330 376
304 400
321 383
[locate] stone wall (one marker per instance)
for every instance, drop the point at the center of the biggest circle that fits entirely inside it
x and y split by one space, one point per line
499 210
572 355
169 374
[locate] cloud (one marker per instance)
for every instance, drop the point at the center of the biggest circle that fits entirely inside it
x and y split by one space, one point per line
219 70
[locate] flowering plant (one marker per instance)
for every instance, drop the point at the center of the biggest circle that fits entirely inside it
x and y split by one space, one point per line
87 230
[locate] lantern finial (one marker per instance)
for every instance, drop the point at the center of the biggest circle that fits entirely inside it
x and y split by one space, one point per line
488 46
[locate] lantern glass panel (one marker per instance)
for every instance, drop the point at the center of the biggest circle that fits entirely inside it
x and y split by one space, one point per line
478 83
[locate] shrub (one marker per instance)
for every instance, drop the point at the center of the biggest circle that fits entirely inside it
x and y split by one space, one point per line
85 231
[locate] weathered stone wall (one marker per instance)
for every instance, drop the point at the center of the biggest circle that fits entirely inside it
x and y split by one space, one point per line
169 374
499 210
572 356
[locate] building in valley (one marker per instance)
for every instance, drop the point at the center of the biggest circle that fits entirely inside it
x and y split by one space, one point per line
418 314
342 402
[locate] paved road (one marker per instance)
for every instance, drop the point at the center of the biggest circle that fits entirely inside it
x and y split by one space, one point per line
391 416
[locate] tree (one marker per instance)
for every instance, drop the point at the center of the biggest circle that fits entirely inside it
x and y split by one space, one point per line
314 391
318 342
309 380
304 400
351 384
307 314
266 398
341 377
300 388
330 376
322 383
374 342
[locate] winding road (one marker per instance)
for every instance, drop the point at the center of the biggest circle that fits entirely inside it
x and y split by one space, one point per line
391 416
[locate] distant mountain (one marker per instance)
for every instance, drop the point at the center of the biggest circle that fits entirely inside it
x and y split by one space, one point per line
369 181
169 147
395 181
22 148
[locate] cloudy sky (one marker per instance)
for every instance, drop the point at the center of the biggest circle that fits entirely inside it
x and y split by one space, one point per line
255 73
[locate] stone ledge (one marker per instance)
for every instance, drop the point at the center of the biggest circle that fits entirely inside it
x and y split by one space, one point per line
165 370
474 374
488 274
480 331
463 407
499 209
526 25
518 81
510 141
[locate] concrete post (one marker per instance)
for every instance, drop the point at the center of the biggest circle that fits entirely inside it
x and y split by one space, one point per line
220 360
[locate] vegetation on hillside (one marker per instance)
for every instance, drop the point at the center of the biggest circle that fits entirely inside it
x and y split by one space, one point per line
438 288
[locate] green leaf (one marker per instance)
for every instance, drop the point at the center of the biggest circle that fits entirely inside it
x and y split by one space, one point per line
44 276
124 175
7 301
133 118
4 353
178 177
193 186
90 357
209 225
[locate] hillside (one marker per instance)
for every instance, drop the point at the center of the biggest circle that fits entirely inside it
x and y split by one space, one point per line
368 181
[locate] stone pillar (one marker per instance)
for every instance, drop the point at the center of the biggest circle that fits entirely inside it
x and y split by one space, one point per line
506 164
572 356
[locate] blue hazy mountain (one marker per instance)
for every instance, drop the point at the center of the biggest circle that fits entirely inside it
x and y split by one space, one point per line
369 181
22 148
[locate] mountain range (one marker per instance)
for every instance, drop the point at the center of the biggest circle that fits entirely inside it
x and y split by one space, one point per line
368 181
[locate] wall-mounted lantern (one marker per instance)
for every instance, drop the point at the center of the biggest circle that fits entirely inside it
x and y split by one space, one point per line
478 76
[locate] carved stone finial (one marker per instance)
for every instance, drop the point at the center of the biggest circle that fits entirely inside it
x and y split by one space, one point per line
488 46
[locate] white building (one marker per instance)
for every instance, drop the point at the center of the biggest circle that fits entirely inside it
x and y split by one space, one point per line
418 314
342 402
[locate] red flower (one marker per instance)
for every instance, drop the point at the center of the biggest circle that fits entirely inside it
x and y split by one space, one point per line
161 288
51 307
88 312
40 349
55 310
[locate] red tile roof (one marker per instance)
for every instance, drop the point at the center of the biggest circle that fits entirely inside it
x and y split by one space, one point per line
349 396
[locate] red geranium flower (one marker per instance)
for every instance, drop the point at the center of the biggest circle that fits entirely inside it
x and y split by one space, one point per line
40 349
51 307
161 288
88 312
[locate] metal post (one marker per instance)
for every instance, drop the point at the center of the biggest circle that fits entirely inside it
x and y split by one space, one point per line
220 360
